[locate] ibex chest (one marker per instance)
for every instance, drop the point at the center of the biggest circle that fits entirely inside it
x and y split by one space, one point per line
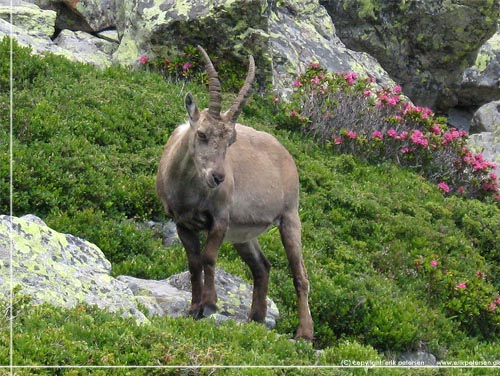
190 211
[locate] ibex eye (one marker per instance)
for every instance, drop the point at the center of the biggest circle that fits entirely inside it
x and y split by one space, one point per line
202 136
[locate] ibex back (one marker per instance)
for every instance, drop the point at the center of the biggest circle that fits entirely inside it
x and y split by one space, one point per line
232 182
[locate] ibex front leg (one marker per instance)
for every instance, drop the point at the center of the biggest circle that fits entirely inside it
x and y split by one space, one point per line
209 257
191 244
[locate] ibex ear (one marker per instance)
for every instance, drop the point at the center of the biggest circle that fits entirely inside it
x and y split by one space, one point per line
191 108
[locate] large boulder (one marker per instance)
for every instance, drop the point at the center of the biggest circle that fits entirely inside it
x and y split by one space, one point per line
486 118
160 28
86 48
30 17
424 45
89 15
480 83
283 36
302 32
59 269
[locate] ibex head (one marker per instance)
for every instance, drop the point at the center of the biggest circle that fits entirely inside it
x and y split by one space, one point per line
212 132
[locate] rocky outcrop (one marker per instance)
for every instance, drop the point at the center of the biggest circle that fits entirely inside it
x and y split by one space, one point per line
302 32
424 45
35 27
59 269
89 15
486 118
63 270
480 83
172 297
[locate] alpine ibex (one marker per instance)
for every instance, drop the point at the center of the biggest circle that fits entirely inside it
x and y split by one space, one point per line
232 182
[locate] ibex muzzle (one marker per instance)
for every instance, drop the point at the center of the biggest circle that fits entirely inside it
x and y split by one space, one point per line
232 182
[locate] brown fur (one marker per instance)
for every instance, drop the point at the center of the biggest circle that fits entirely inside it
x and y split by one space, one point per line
234 183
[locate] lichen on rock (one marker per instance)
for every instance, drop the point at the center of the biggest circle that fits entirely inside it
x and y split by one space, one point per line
59 269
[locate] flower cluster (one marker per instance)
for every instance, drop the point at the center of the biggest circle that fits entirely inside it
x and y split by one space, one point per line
377 124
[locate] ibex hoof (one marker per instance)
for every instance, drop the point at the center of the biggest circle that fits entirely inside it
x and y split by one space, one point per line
204 310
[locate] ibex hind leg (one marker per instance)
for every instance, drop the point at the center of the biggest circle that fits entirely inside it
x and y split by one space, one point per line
290 230
251 253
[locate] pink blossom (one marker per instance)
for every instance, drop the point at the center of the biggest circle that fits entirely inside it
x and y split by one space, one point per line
143 59
392 133
314 65
461 286
297 83
403 135
338 141
397 89
315 80
351 135
367 93
434 263
436 129
479 274
393 101
276 99
498 301
444 187
406 150
186 66
293 113
350 77
418 138
377 135
492 306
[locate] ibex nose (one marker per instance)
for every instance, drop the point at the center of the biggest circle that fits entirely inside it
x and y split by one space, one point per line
218 177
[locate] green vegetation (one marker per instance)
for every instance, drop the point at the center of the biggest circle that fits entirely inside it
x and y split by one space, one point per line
394 264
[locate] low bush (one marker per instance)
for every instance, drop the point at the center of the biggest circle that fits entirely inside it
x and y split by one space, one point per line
351 116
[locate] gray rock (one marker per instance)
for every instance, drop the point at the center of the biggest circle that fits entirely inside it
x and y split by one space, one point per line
172 297
480 83
417 359
59 269
30 17
86 48
89 15
486 118
302 32
488 144
424 45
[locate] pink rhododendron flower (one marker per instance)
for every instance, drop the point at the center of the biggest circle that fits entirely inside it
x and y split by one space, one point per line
436 129
186 66
351 134
498 301
377 135
461 286
434 263
367 93
392 133
143 59
397 89
297 83
418 138
406 150
314 65
315 80
444 187
479 274
351 77
492 306
338 141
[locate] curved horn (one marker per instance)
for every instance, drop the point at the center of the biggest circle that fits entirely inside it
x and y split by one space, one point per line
214 90
235 109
